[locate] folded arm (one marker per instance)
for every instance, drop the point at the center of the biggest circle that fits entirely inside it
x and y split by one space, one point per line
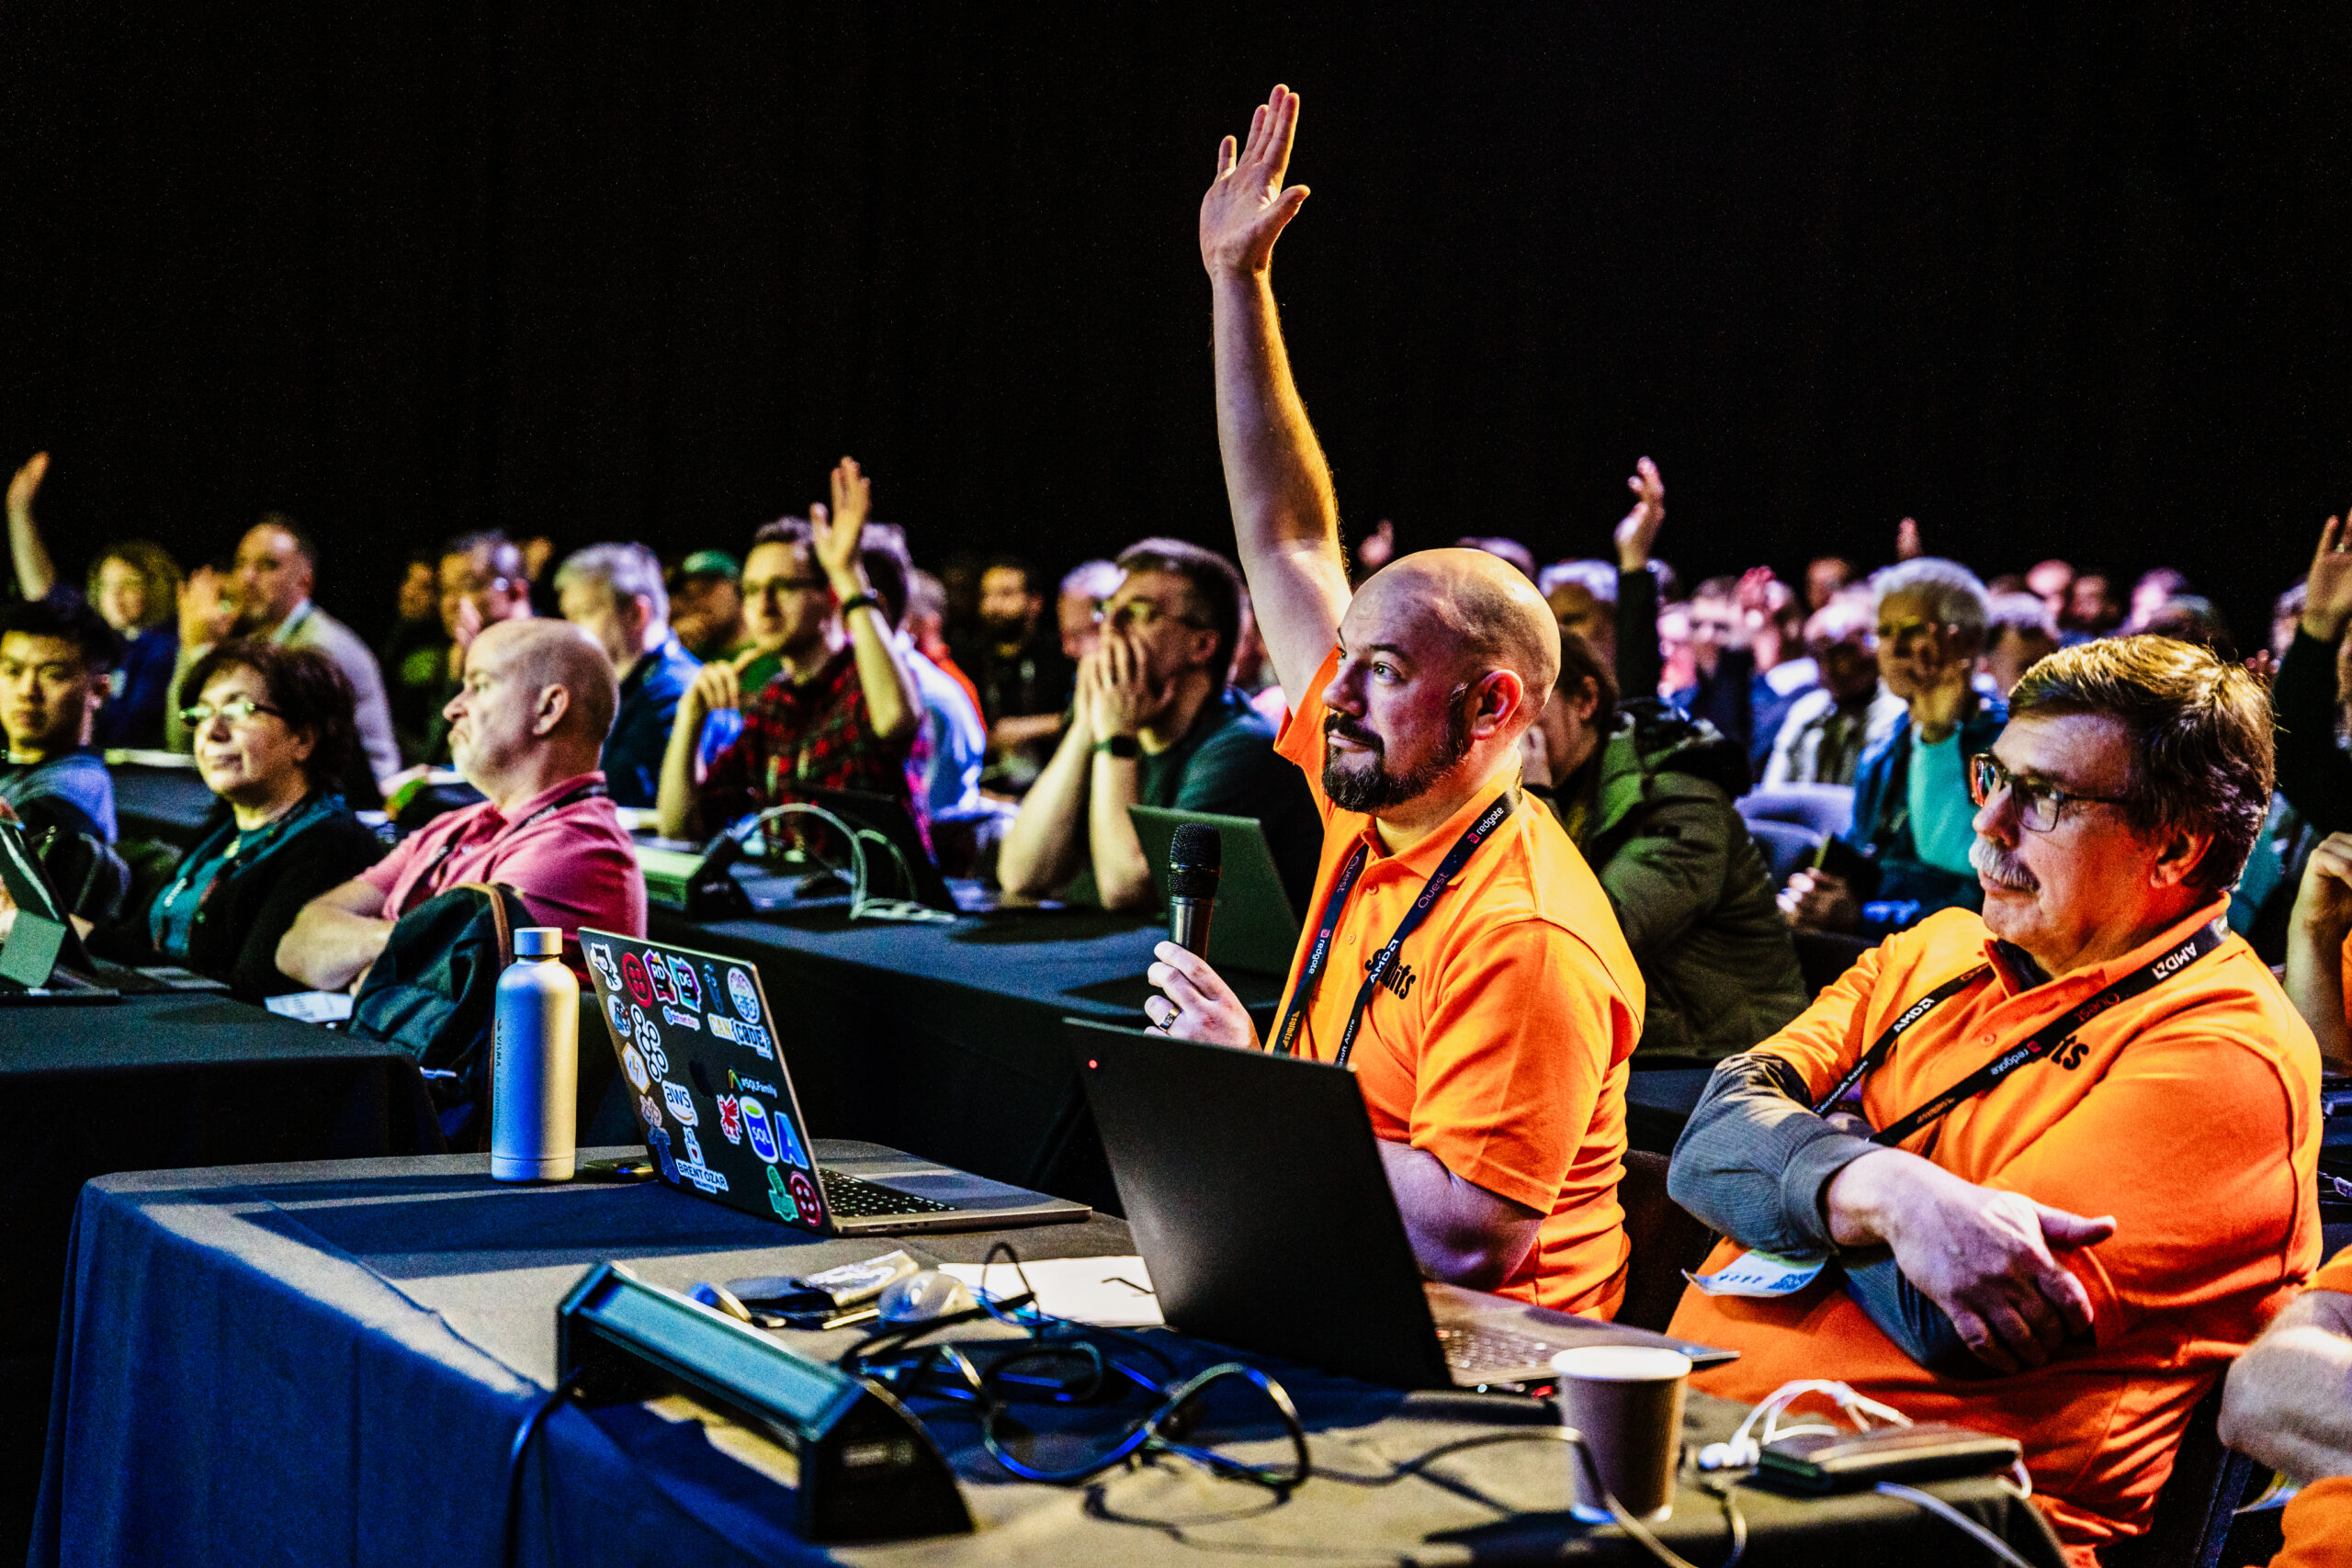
336 937
2288 1400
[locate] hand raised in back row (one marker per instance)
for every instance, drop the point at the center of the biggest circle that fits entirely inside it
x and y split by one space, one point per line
1247 208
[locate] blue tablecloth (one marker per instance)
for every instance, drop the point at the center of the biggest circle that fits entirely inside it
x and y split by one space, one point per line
325 1364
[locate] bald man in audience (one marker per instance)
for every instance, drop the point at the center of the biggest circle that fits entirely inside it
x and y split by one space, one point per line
526 728
1492 1045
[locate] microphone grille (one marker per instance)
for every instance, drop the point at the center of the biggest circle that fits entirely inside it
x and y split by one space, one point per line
1198 845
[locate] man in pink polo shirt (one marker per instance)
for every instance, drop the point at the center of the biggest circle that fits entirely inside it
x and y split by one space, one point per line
526 727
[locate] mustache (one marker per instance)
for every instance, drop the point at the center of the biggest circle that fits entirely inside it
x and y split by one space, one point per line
1998 867
1347 728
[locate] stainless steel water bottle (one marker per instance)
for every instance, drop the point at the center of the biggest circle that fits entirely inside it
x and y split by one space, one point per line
535 1062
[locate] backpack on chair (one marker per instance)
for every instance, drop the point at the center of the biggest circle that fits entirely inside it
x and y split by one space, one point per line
433 992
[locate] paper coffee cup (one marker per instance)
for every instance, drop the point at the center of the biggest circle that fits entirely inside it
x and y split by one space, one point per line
1627 1401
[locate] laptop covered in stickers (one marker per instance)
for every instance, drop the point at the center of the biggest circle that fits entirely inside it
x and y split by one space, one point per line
696 1041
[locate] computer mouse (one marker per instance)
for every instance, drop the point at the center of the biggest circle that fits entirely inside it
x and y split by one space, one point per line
919 1297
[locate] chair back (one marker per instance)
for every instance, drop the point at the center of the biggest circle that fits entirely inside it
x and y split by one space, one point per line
2208 1485
1786 846
1823 956
1666 1238
1824 808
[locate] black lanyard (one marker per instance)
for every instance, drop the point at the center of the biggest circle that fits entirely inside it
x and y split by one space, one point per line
449 845
1286 1036
2033 1049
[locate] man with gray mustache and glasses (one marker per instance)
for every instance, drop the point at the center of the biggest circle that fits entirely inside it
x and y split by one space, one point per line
2044 1170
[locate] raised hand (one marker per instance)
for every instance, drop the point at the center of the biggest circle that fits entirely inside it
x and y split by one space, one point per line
27 482
1906 540
1246 207
2327 592
839 530
207 607
2324 902
1637 530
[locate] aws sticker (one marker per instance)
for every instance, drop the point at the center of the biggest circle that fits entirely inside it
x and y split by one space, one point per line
600 959
804 1192
682 1020
730 1119
756 1126
682 975
633 974
781 1201
743 994
651 1111
681 1104
659 1142
633 1064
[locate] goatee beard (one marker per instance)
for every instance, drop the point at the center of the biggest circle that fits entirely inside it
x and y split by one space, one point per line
1377 789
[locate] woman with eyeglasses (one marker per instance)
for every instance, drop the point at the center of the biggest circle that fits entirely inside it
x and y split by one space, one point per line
273 731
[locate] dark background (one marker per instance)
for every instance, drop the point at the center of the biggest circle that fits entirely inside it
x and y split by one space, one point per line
2056 280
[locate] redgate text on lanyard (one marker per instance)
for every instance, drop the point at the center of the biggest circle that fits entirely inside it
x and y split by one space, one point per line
1286 1035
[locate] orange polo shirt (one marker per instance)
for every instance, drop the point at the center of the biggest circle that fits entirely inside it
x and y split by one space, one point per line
1500 1043
2318 1522
2190 1112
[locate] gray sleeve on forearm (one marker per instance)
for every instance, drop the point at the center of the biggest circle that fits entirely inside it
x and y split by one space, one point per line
1753 1159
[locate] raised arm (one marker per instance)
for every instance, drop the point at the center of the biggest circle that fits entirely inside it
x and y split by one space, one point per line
1285 518
890 686
34 574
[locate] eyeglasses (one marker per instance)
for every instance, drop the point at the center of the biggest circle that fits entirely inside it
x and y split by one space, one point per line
2039 805
1140 614
238 710
779 586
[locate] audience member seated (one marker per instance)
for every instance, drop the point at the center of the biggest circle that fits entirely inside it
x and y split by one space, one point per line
1023 676
2191 617
134 585
926 621
2152 592
55 655
1829 728
1615 609
525 727
1495 545
276 568
1911 803
1826 577
1785 671
1078 606
2053 582
707 605
2285 1404
1157 724
1647 795
2091 609
2019 632
415 658
1493 1059
943 768
613 593
843 712
2076 1253
274 737
1721 685
483 582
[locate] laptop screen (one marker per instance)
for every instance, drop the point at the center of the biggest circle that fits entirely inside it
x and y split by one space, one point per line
695 1040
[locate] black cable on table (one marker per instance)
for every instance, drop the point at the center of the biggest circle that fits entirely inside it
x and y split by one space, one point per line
523 1435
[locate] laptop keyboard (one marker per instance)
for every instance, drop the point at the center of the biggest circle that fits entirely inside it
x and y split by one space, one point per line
850 1197
1493 1349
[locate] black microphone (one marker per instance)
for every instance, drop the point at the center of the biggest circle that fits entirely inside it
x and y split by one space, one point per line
1195 861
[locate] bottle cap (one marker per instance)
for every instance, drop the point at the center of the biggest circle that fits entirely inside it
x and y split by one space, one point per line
538 942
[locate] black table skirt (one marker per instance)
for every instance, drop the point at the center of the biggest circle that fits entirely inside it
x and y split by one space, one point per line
326 1364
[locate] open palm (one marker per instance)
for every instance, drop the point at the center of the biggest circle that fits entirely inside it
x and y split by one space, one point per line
2327 592
1247 208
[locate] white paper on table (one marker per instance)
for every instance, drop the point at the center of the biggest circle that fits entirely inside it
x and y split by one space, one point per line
1109 1292
311 1007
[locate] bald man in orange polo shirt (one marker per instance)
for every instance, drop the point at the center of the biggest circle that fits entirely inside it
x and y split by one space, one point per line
2062 1156
1492 1040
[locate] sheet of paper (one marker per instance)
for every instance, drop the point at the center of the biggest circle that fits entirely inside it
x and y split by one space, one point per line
1764 1274
1113 1292
311 1007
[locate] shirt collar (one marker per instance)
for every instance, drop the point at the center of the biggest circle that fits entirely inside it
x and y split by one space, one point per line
553 791
2019 973
292 622
1424 856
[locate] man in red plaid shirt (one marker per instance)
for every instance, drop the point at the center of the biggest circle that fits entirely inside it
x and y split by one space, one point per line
844 711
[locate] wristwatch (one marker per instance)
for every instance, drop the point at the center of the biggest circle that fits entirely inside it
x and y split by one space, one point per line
1126 746
860 602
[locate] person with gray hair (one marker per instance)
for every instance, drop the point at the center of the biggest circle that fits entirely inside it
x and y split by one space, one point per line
613 593
1911 835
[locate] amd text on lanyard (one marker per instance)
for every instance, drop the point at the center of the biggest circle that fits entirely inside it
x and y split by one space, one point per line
1478 833
2039 1043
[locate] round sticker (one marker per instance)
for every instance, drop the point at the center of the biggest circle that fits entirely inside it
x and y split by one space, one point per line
633 1064
743 994
640 984
804 1192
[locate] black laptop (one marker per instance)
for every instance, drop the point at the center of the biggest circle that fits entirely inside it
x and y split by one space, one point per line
1258 1200
1255 929
42 960
696 1040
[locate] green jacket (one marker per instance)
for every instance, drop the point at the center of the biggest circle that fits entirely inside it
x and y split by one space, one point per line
1691 889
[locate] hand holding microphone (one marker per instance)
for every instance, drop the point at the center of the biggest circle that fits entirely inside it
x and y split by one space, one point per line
1198 1005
